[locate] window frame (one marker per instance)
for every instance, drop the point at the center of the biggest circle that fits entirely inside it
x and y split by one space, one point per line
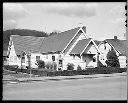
37 57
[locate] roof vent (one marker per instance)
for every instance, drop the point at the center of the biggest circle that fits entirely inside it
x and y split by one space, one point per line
115 37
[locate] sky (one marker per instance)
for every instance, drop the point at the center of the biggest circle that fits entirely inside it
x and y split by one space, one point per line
102 19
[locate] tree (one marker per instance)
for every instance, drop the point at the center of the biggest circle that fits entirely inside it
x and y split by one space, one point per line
40 64
70 66
112 59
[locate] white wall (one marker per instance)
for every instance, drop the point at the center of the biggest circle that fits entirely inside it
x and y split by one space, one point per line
13 59
122 60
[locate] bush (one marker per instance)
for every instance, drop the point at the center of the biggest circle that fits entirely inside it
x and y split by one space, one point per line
112 59
70 66
40 64
79 68
51 65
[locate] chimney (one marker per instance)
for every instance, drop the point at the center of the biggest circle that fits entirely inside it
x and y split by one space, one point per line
115 37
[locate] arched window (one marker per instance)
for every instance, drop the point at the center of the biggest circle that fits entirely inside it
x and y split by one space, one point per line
53 58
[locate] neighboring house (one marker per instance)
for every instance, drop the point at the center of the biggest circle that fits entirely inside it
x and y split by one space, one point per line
120 48
71 46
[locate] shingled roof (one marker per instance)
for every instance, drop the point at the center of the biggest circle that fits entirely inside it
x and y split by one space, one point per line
79 47
26 43
119 45
57 42
97 42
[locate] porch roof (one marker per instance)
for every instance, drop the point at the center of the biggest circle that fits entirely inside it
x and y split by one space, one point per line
80 46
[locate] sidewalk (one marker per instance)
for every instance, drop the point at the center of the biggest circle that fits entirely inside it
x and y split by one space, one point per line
71 77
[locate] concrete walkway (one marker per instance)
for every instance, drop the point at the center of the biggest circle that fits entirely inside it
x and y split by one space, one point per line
71 77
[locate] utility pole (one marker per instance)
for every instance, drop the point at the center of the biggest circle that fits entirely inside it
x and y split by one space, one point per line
29 58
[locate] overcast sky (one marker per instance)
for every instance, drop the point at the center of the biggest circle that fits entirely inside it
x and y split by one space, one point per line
102 20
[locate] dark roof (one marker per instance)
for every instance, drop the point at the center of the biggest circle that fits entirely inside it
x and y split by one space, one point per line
84 28
26 43
79 47
97 42
57 42
4 52
119 45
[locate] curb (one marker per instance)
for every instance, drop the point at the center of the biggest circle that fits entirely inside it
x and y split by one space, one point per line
70 77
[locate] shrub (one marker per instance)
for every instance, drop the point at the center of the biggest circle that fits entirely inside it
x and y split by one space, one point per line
51 65
40 64
70 66
48 65
79 68
112 59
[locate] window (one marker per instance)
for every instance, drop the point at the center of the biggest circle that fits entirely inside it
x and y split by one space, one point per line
53 58
94 59
23 59
60 63
37 58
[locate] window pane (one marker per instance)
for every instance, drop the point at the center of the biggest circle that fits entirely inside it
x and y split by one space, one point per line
37 58
23 59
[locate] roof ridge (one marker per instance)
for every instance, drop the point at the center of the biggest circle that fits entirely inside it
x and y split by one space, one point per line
62 32
29 36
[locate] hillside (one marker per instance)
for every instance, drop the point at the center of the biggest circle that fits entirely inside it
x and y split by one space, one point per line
22 32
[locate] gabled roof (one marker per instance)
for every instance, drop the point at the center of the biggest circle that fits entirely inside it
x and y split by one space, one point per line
57 42
26 43
80 46
120 45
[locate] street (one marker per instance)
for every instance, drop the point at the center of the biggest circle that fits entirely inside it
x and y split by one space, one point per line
104 88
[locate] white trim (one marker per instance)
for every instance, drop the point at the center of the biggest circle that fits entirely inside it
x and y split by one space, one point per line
72 39
88 44
9 46
95 45
84 32
85 47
